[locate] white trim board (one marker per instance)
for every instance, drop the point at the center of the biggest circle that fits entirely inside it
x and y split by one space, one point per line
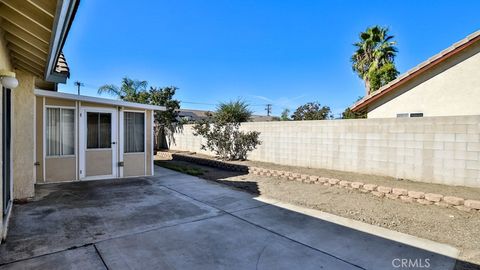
121 103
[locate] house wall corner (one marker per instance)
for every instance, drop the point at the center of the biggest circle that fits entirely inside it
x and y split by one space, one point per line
23 136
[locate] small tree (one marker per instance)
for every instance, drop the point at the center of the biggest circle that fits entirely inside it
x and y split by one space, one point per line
222 132
284 116
349 114
312 111
165 121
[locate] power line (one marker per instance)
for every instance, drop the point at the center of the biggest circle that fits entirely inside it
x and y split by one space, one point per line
215 104
79 84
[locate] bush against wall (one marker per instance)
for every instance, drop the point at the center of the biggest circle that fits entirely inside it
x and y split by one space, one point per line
222 132
226 140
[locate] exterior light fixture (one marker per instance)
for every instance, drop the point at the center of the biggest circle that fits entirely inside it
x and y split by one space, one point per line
7 79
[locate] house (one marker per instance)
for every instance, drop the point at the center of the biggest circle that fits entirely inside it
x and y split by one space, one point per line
49 136
190 115
447 84
88 138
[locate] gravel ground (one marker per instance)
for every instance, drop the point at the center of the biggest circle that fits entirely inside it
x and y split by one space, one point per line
445 225
458 191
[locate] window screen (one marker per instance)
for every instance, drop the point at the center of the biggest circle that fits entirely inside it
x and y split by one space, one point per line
99 130
60 132
134 132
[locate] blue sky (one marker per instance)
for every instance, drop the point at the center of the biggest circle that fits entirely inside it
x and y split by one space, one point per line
264 51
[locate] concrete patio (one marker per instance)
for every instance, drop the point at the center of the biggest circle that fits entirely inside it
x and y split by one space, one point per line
176 221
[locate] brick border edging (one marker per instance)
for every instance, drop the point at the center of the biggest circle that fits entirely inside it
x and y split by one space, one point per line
409 196
379 191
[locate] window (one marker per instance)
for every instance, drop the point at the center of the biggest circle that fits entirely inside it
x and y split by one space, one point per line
60 131
416 115
99 130
402 115
134 132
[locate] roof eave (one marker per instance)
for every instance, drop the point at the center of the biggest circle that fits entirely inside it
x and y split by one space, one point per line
66 10
106 101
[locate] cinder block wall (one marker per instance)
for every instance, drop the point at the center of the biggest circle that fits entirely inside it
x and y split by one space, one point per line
441 150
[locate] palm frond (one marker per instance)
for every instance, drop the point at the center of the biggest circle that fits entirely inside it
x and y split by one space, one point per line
109 89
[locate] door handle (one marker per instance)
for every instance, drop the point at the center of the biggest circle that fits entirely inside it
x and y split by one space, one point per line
113 142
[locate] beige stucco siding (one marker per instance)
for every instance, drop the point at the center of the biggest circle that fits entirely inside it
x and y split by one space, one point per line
98 162
99 105
23 138
134 164
59 102
451 88
4 55
59 169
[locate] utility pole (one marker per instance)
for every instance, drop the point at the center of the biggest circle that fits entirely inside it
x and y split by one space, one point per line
269 109
78 84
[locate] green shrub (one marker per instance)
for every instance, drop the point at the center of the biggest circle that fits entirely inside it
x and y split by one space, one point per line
226 140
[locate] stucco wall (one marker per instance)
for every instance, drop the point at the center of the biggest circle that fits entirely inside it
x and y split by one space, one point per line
433 149
452 88
23 139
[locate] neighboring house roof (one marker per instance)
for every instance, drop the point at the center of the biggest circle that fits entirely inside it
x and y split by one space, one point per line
193 115
115 102
35 32
196 115
261 118
432 62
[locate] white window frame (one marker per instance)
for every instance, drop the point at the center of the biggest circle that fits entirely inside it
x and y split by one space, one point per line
409 115
75 150
122 139
144 130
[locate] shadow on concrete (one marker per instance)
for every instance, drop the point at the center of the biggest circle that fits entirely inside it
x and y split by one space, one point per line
463 265
252 188
216 174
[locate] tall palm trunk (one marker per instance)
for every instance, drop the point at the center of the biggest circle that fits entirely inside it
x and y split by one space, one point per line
367 86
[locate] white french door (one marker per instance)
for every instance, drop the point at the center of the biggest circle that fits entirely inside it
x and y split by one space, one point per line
98 143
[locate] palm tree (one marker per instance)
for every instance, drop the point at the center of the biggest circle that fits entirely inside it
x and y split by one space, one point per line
233 112
375 49
130 90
